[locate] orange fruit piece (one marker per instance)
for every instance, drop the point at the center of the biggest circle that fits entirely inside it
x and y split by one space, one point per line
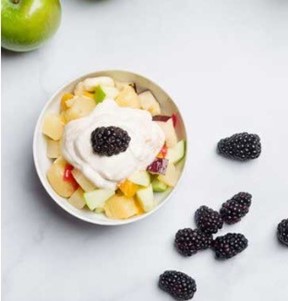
128 188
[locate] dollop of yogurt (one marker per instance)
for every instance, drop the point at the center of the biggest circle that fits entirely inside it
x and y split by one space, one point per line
147 139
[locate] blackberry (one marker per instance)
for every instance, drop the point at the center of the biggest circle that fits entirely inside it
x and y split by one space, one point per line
229 245
208 220
234 209
109 141
240 147
178 285
189 242
282 232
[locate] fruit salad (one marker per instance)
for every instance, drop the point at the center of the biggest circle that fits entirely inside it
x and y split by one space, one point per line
111 148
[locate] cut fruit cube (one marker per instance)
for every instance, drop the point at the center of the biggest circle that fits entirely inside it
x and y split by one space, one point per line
128 98
79 89
81 107
53 126
84 183
122 85
171 176
91 83
177 152
149 103
141 178
56 179
111 92
128 188
97 198
158 166
121 207
158 186
77 199
53 149
145 197
169 132
64 99
99 94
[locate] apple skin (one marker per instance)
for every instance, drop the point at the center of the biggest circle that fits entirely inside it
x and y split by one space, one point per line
27 24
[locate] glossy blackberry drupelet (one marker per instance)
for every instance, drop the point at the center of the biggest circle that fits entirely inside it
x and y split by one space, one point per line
109 141
240 147
208 220
189 242
178 285
282 232
229 245
237 207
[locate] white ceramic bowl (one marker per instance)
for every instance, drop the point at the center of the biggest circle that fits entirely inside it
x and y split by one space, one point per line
42 162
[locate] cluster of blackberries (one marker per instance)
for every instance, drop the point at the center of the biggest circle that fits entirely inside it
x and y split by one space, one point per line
209 221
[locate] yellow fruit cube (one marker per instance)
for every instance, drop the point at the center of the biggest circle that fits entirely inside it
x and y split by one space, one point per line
53 149
81 107
77 199
64 98
84 183
53 126
127 97
128 188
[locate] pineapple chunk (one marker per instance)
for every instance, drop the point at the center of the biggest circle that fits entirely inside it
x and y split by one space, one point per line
53 126
55 177
53 149
128 98
81 107
91 83
77 199
128 188
64 98
121 207
149 103
171 176
84 183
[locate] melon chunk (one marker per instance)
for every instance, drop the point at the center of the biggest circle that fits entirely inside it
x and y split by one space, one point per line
53 149
83 182
53 126
149 103
169 132
77 199
127 97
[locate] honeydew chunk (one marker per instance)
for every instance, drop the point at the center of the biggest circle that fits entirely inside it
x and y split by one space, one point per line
171 176
81 107
145 197
91 83
53 126
141 178
149 103
97 198
77 199
53 149
84 183
169 132
127 97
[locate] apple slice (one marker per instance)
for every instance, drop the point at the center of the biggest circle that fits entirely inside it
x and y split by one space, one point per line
97 198
149 103
158 166
169 132
127 97
91 83
121 207
165 118
177 152
84 183
158 186
141 178
145 197
53 126
111 92
82 106
77 199
53 149
171 176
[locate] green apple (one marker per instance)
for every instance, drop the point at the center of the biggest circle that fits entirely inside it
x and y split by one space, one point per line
27 24
97 198
140 177
146 198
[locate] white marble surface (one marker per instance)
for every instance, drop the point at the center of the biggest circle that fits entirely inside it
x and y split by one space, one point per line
226 65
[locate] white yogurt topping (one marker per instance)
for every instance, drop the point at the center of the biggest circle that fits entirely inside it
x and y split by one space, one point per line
147 139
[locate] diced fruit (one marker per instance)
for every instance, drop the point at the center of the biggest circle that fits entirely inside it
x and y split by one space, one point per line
64 99
81 107
171 176
97 198
70 102
163 152
177 152
55 177
84 183
88 94
122 85
121 207
128 188
158 166
53 149
62 117
111 92
158 186
53 126
91 83
169 131
149 103
79 89
77 199
128 98
99 94
68 176
165 118
141 178
146 198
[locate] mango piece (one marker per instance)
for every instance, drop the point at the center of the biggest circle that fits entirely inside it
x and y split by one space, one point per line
121 207
77 199
53 126
64 99
55 177
128 188
53 149
81 107
127 97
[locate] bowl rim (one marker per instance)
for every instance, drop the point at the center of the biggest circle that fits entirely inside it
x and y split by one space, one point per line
48 188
